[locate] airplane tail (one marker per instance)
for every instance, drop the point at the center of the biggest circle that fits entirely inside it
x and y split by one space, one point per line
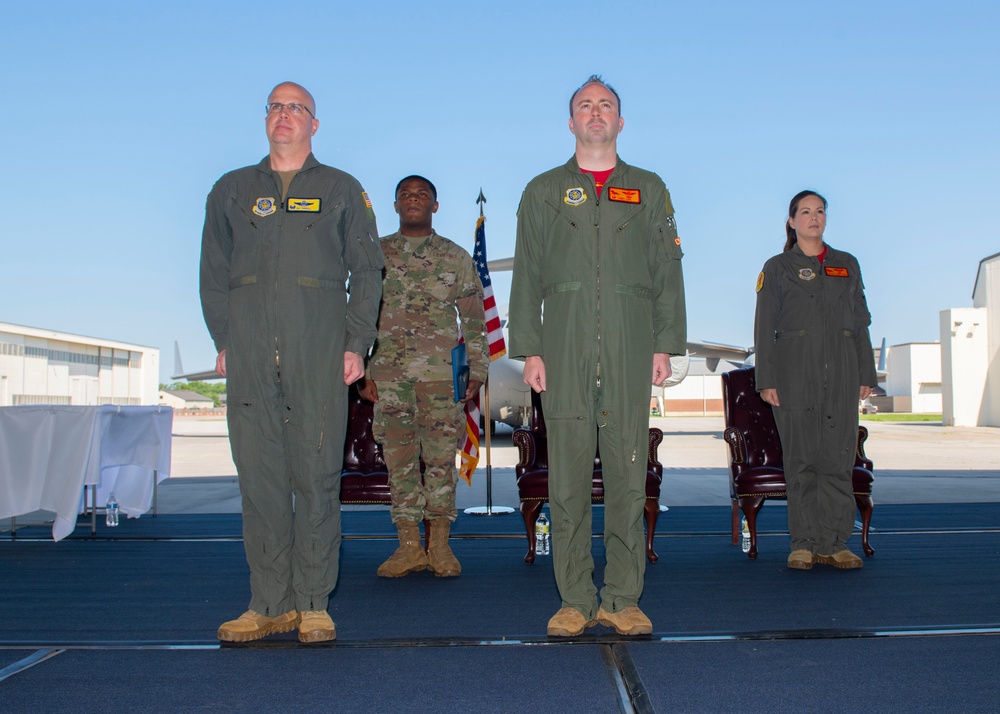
881 358
178 367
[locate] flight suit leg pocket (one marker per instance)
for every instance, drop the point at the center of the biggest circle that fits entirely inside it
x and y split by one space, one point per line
243 417
794 378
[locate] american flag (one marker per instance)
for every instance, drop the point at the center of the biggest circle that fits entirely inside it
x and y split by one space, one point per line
494 335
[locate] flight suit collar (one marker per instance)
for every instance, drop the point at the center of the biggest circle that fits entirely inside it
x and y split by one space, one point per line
574 166
309 163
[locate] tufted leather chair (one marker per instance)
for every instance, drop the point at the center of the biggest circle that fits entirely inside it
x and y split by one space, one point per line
365 478
756 471
532 473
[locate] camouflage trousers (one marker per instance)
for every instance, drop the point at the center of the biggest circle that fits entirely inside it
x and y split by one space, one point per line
414 419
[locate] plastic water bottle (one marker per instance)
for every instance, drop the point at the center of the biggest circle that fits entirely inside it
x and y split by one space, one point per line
111 511
746 536
542 535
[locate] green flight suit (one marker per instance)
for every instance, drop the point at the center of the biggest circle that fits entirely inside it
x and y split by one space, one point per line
812 345
431 285
607 272
274 278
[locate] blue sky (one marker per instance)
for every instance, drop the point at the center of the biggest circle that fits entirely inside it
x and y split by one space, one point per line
120 117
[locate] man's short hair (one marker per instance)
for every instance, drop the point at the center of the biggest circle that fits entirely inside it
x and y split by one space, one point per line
595 79
418 178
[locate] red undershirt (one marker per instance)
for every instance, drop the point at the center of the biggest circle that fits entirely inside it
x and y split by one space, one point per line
599 178
822 256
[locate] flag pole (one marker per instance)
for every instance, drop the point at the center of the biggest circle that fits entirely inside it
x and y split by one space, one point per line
488 509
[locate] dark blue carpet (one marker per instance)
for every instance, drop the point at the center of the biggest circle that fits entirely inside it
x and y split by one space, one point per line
180 590
925 674
452 679
935 567
678 520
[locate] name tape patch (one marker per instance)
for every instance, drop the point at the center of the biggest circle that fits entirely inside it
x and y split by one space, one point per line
303 205
624 195
835 272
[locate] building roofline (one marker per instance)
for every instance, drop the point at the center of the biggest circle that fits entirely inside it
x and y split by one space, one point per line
979 271
73 337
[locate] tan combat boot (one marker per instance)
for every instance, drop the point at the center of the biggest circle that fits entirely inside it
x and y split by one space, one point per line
441 560
409 556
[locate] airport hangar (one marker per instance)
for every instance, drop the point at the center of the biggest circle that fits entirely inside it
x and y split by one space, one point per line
47 367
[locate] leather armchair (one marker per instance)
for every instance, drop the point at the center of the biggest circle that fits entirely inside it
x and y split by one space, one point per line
755 464
365 478
532 473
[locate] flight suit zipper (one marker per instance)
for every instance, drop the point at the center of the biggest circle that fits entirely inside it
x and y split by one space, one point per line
279 249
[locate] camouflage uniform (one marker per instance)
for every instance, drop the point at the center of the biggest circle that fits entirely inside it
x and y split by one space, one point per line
427 281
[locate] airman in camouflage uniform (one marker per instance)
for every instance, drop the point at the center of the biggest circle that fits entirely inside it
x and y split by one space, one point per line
428 282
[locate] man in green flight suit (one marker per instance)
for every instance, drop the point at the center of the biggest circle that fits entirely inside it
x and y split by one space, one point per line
597 248
430 286
281 241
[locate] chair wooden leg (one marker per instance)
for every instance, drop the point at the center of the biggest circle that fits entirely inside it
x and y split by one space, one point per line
751 505
530 511
736 523
865 505
652 512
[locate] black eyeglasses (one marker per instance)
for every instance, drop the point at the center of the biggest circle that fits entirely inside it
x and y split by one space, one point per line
293 108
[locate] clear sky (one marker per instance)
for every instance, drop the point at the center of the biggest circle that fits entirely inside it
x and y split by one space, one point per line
121 115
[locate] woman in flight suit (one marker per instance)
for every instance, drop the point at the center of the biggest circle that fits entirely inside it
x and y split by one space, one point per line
813 361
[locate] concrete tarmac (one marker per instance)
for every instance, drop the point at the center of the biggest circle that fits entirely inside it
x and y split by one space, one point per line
915 462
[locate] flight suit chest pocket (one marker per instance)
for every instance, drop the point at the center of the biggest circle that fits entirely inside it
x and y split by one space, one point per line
248 234
318 242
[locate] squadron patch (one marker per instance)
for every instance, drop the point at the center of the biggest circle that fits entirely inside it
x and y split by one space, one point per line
264 207
677 241
836 272
303 205
760 281
806 274
574 197
624 195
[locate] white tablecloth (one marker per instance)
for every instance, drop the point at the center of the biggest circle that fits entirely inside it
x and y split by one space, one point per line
49 453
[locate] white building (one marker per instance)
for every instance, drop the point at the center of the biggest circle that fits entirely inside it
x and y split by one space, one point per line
186 400
699 394
964 366
914 381
970 355
46 367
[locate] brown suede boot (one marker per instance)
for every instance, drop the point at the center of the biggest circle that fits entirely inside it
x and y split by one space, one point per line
409 556
441 560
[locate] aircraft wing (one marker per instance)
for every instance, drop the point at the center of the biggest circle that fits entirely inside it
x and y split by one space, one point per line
712 352
191 376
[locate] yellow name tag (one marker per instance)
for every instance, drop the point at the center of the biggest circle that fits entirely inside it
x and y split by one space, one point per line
624 195
303 205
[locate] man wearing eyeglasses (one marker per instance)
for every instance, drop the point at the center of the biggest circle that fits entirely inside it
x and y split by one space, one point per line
282 241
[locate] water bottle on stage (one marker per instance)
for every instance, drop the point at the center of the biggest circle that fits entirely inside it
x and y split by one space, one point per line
111 511
542 535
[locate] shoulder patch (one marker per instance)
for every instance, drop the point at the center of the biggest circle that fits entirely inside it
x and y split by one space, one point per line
264 206
760 281
574 196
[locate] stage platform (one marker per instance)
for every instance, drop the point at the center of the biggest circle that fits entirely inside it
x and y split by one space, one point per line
127 619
